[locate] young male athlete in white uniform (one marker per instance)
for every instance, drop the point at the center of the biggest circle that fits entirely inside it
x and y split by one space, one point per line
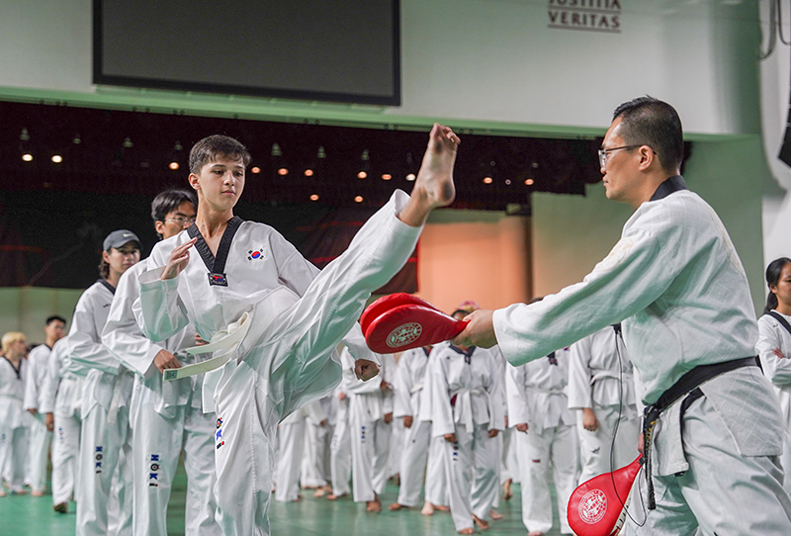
42 423
248 275
676 282
105 442
167 418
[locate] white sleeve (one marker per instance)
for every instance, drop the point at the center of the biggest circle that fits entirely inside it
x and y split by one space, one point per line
516 396
496 390
627 281
84 342
770 338
31 383
402 387
159 310
580 390
122 335
52 379
441 410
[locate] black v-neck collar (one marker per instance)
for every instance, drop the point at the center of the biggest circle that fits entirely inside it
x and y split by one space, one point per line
669 186
427 352
107 285
17 370
216 265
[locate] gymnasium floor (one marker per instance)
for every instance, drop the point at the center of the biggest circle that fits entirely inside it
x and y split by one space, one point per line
26 516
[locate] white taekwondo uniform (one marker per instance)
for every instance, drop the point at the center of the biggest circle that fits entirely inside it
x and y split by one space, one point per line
408 386
40 437
287 357
12 423
341 445
676 281
773 336
105 462
601 378
291 450
466 399
436 479
537 396
315 470
167 419
62 396
370 437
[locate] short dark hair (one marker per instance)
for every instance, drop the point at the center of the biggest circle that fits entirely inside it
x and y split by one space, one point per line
649 121
212 147
169 200
773 272
53 318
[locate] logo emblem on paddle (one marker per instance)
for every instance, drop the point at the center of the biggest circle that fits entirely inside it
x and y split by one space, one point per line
401 322
598 507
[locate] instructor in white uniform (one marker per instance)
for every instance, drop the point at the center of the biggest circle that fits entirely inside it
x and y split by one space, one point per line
676 282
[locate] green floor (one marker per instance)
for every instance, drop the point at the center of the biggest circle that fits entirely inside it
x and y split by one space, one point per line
23 515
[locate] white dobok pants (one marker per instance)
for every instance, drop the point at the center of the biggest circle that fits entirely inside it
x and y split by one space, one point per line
157 442
40 439
370 451
554 448
595 447
414 452
436 477
341 452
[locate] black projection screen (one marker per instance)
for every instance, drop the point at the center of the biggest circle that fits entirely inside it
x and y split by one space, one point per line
345 51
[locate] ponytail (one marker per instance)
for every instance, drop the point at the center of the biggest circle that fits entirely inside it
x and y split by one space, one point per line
773 272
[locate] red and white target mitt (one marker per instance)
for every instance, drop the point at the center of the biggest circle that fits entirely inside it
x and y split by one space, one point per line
401 322
597 508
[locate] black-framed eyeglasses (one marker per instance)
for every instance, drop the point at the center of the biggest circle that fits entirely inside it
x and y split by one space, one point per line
604 153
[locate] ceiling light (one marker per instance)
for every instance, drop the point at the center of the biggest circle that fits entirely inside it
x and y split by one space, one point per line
362 174
314 197
27 157
282 171
308 172
488 180
529 182
386 177
410 177
358 199
255 169
173 165
57 159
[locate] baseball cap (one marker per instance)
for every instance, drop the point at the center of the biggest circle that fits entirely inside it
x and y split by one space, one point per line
118 238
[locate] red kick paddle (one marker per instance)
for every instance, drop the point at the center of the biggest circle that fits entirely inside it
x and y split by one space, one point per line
595 509
401 322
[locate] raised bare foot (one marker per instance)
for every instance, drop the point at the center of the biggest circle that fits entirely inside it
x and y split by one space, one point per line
428 509
397 506
468 530
434 184
482 524
495 515
61 508
374 506
507 493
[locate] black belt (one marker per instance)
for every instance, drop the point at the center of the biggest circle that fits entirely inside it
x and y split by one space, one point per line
688 384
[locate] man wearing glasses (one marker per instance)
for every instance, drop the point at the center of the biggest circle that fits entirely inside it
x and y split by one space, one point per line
713 431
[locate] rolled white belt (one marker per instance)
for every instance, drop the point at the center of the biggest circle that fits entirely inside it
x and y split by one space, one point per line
466 400
115 401
415 388
226 339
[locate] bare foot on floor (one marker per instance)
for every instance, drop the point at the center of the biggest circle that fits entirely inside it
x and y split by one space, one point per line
428 509
397 506
469 530
37 493
507 493
535 533
434 186
374 506
482 524
333 497
441 508
495 515
322 491
61 508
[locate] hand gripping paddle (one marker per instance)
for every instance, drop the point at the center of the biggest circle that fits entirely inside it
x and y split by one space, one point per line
596 508
401 322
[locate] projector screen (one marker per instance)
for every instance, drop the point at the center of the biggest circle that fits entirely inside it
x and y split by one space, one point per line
298 49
